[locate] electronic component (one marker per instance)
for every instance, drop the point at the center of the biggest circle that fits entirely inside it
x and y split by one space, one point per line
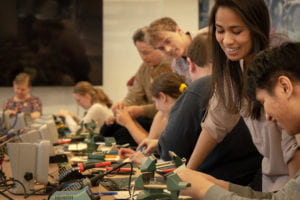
29 162
83 194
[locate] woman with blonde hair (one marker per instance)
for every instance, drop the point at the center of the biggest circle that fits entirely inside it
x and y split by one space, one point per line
96 103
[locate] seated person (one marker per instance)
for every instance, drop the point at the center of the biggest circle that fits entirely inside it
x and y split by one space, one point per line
235 159
138 100
165 90
273 80
23 101
94 101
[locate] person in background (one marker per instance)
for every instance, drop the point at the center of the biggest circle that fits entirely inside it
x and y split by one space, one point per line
23 101
96 103
235 159
164 34
273 80
138 101
239 30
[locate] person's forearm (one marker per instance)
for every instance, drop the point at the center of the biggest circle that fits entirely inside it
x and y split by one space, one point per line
205 144
221 183
158 125
136 131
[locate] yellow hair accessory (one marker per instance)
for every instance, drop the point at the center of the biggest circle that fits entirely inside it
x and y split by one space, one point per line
182 87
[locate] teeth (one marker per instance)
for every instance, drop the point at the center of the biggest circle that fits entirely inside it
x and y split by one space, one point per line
231 50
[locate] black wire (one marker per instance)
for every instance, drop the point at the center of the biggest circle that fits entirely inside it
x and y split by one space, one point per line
35 191
96 178
15 180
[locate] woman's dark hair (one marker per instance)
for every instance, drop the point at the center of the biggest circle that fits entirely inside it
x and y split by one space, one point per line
98 96
199 50
227 76
168 83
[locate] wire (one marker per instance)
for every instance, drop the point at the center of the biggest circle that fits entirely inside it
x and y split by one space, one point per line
95 179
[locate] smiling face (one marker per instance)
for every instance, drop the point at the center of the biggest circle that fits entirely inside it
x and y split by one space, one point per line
85 101
149 55
232 34
281 107
173 44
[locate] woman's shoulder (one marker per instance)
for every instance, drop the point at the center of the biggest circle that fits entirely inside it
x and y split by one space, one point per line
99 106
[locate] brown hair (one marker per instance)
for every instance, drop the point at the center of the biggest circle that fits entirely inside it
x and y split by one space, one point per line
161 24
22 78
168 83
98 96
139 35
199 50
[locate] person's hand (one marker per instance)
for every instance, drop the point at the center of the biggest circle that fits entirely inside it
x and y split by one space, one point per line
137 158
126 153
64 113
134 157
11 113
198 181
123 118
135 111
110 121
116 106
148 146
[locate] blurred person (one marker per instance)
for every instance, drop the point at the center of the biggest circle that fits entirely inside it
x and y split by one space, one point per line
96 103
138 101
23 101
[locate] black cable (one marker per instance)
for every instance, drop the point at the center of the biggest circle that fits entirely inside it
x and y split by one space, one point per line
15 180
95 179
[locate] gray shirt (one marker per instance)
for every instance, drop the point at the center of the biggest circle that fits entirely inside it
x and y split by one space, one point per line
290 191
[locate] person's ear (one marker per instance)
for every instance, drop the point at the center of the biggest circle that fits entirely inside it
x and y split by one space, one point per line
163 96
178 29
192 65
286 86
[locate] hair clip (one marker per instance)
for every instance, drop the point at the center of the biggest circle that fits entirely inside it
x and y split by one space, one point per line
182 87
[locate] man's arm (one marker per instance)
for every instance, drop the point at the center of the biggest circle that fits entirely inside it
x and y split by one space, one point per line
206 187
294 164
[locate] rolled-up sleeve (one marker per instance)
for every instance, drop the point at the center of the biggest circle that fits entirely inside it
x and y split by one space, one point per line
218 122
289 146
